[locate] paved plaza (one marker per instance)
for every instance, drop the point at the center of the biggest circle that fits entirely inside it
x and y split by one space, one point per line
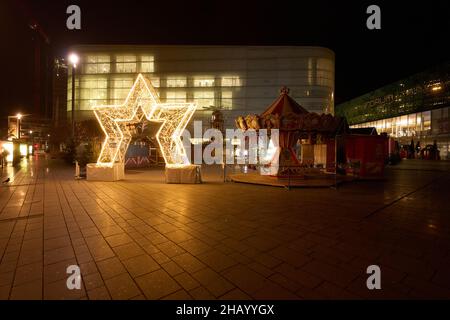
143 239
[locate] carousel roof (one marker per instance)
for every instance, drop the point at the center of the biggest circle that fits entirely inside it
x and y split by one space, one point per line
284 105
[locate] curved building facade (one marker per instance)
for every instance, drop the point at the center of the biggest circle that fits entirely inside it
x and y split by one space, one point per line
236 79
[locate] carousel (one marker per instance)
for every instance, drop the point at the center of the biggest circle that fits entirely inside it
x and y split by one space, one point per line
306 143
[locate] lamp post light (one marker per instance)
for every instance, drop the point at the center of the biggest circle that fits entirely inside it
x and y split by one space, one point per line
19 118
73 59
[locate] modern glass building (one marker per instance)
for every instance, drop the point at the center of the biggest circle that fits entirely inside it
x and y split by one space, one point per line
236 79
417 108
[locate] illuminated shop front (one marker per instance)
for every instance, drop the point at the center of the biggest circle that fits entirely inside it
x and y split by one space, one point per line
416 108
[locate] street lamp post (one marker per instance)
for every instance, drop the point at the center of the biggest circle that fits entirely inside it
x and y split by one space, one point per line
73 59
19 118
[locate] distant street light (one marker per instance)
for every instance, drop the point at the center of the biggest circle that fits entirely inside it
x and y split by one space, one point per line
73 59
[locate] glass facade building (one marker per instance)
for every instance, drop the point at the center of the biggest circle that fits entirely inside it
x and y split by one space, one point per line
236 79
415 108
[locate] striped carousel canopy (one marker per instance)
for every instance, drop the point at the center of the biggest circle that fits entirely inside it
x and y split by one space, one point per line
284 105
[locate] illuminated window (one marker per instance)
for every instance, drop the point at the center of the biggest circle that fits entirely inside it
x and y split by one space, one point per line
155 82
176 82
94 89
176 96
227 99
204 98
426 119
126 64
93 92
121 87
147 64
97 64
231 82
203 82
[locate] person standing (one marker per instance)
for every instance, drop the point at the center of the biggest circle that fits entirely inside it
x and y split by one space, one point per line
411 150
3 157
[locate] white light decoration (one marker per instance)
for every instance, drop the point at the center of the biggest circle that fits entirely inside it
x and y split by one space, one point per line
141 101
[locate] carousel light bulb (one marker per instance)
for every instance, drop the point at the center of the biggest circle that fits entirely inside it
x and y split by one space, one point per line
115 119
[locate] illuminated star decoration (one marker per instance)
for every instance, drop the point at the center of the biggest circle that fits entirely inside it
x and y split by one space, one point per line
115 120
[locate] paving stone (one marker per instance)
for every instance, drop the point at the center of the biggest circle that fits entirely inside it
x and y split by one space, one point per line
245 278
235 294
100 293
57 255
58 291
213 282
128 251
28 273
118 239
92 281
140 265
200 293
27 291
273 291
179 295
170 249
157 284
186 281
189 263
172 268
110 268
122 287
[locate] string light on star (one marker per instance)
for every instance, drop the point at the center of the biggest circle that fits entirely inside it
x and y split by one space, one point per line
115 120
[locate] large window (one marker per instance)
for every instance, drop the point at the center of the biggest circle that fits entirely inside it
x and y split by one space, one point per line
93 91
176 96
175 82
426 120
97 64
227 99
155 82
204 99
120 88
231 82
147 64
126 64
410 125
203 82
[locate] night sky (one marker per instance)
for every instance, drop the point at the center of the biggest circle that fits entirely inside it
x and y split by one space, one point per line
414 35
